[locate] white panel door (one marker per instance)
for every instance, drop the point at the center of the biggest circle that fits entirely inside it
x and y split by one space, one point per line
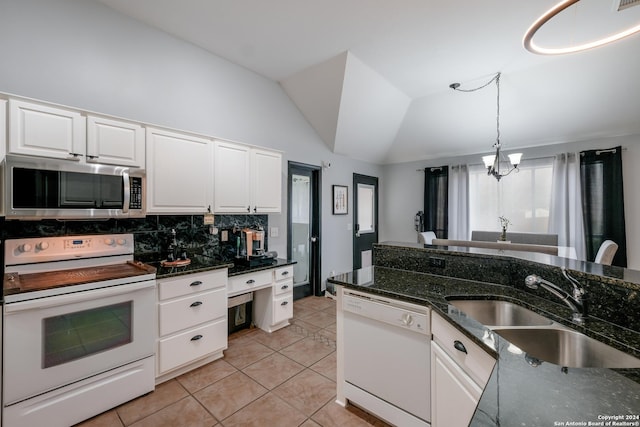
115 142
232 186
41 130
266 169
179 173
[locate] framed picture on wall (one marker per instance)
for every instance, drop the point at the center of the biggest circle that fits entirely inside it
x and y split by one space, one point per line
340 200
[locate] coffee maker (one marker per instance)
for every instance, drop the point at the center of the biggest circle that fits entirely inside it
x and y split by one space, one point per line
251 249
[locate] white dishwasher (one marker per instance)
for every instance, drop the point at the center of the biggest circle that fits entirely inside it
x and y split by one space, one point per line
387 358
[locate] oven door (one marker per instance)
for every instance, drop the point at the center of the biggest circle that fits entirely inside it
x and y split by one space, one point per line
54 341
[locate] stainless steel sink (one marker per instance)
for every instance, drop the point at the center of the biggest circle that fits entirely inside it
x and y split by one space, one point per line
499 313
568 348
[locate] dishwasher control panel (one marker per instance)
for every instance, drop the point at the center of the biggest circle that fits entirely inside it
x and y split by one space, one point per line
397 313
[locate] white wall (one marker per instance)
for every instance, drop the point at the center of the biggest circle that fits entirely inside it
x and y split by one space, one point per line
404 188
85 55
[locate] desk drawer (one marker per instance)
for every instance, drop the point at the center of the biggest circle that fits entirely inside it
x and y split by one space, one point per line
282 287
283 273
249 282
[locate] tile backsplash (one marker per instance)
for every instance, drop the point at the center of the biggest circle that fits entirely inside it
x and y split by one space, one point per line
151 234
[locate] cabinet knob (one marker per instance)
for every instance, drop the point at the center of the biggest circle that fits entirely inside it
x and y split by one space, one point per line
283 303
459 346
196 338
196 283
255 209
195 304
248 208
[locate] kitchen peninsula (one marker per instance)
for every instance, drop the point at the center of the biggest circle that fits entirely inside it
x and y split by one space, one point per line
521 390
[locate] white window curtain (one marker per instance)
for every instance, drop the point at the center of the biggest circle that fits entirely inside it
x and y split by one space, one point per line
459 203
566 203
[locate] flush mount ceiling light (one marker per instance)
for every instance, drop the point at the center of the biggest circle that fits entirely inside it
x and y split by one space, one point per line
492 162
618 5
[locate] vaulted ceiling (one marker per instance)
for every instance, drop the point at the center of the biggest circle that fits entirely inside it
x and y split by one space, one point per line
372 77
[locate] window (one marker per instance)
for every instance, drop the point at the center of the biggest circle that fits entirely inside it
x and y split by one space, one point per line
523 197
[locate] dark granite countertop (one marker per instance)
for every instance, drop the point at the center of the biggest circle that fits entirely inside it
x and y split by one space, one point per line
202 263
518 393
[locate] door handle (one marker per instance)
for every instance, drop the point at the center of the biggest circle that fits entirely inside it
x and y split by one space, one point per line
313 239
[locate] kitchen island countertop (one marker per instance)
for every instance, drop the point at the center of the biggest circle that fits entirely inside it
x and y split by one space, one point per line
518 393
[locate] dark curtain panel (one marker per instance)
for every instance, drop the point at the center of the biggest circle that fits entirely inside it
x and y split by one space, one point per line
436 201
603 201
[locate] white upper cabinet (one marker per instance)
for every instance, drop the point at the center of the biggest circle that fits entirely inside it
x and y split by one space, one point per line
247 180
231 182
41 130
48 131
115 142
179 173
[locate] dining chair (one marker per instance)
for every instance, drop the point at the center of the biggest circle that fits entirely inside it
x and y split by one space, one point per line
426 237
606 252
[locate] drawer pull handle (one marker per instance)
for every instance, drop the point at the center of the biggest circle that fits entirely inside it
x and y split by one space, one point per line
196 338
195 304
285 287
459 346
284 273
284 303
250 282
196 283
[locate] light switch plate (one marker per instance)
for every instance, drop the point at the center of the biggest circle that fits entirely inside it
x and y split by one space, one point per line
274 232
208 219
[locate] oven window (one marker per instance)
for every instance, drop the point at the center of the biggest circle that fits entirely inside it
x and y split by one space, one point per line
76 335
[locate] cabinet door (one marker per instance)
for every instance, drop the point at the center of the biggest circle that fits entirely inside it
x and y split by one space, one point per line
179 173
115 142
454 395
266 169
40 130
232 189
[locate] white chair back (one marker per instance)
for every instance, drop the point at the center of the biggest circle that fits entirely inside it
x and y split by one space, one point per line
426 237
606 252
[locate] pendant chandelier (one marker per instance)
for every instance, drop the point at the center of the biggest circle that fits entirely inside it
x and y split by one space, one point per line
493 162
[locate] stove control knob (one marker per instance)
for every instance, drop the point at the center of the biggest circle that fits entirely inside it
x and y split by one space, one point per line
109 242
42 246
25 247
122 242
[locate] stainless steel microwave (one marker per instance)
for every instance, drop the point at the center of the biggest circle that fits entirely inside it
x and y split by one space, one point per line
40 188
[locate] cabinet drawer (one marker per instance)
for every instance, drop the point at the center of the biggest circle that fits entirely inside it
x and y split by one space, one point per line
249 282
192 310
283 273
191 345
282 308
282 287
191 284
477 363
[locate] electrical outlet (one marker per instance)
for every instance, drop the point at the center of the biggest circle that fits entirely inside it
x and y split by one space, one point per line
224 236
436 262
274 232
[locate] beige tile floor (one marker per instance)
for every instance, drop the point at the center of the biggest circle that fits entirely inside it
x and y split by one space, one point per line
282 379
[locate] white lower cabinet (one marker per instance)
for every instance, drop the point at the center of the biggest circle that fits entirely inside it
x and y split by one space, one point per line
273 306
460 370
192 322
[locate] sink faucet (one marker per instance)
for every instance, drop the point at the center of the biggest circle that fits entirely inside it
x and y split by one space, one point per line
577 302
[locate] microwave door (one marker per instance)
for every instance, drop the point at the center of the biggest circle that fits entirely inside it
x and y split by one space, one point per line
78 190
111 192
